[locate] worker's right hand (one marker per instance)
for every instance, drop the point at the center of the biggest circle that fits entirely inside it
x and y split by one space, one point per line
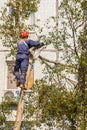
41 44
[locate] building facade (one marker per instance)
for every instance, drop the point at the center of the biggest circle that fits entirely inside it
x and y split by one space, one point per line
46 9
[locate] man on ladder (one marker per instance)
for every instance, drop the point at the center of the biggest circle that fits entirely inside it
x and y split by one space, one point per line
22 58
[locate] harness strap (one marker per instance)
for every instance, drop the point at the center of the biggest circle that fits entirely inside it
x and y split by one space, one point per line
25 43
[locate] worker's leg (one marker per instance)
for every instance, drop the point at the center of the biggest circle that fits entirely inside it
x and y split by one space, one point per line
16 69
23 68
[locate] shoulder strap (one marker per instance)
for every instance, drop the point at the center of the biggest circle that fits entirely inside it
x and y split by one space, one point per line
25 43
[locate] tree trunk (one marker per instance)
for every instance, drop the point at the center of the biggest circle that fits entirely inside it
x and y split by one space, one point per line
82 80
18 121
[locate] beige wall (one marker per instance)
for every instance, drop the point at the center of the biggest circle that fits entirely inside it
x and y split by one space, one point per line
46 9
3 71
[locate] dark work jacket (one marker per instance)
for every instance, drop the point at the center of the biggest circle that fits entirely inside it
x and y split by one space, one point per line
23 48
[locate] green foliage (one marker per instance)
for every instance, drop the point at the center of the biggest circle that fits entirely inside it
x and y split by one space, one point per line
8 104
29 111
6 108
55 104
14 16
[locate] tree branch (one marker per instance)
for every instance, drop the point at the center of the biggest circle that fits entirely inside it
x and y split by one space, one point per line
73 30
55 62
68 80
81 24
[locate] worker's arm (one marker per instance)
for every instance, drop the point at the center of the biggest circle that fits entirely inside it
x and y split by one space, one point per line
35 44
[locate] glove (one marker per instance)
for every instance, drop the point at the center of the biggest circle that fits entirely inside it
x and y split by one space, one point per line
41 44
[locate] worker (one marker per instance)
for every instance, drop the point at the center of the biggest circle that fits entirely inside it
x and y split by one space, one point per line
22 57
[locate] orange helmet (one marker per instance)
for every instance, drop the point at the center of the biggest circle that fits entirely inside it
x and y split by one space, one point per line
24 34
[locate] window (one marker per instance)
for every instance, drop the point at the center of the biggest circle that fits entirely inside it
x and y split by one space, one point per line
32 18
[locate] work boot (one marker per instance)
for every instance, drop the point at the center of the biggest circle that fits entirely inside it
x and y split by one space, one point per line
17 83
22 86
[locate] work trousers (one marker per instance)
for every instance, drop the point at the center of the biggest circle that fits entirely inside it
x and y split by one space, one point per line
20 69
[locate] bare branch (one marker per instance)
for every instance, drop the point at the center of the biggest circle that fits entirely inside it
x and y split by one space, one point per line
72 28
85 21
68 80
55 62
4 50
51 50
